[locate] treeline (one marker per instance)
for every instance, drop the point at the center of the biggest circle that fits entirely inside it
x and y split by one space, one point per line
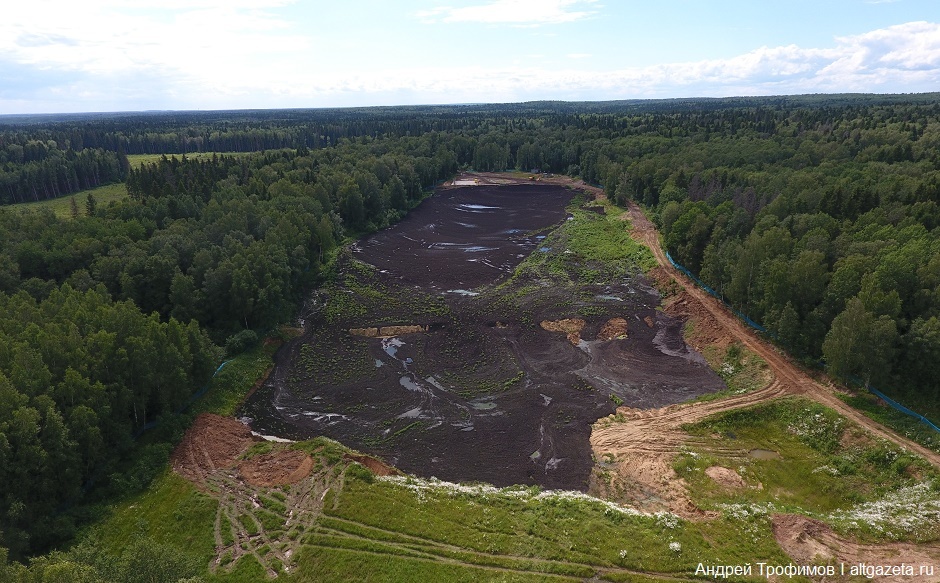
822 225
38 170
110 321
79 375
230 243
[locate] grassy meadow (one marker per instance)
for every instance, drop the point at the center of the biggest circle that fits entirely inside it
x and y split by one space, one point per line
62 206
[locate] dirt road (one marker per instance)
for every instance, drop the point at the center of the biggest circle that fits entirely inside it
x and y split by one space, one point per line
790 378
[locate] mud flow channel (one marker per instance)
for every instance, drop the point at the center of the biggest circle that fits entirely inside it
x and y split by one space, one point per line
470 343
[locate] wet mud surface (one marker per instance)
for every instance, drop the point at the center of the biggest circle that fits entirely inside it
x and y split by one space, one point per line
486 393
466 237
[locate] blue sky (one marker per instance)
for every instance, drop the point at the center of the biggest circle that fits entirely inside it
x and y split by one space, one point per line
128 55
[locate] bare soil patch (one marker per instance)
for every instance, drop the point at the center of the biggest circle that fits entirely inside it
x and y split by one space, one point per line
725 477
387 331
613 329
643 445
212 442
810 541
706 330
252 519
570 326
376 466
278 468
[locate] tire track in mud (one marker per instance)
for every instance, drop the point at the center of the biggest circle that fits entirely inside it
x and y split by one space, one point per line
642 444
432 551
304 505
237 499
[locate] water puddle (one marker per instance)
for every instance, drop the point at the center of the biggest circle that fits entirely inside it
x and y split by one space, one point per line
668 340
465 247
476 207
553 463
410 414
272 438
764 454
391 346
410 384
609 298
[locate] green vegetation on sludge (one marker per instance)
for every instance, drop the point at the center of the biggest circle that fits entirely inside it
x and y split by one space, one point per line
237 376
591 248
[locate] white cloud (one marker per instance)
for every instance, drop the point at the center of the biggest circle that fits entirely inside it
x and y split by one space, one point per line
513 12
230 54
106 37
902 58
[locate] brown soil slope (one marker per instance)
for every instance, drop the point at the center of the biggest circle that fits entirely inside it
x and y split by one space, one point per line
810 541
640 446
791 378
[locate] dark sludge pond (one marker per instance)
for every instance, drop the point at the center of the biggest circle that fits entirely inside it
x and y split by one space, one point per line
447 374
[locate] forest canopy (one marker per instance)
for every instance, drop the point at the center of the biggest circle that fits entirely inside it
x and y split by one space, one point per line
817 216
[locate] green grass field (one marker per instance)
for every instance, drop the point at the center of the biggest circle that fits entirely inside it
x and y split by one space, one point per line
824 467
138 160
408 529
62 206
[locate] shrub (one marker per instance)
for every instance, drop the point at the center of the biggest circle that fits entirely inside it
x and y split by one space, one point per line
240 342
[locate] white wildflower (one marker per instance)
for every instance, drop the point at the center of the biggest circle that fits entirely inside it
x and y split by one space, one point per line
667 520
528 494
903 511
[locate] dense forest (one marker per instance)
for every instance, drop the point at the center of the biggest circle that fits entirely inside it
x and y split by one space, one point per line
36 170
817 216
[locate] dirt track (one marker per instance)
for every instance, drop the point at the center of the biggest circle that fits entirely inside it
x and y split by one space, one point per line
791 378
273 504
640 446
807 540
